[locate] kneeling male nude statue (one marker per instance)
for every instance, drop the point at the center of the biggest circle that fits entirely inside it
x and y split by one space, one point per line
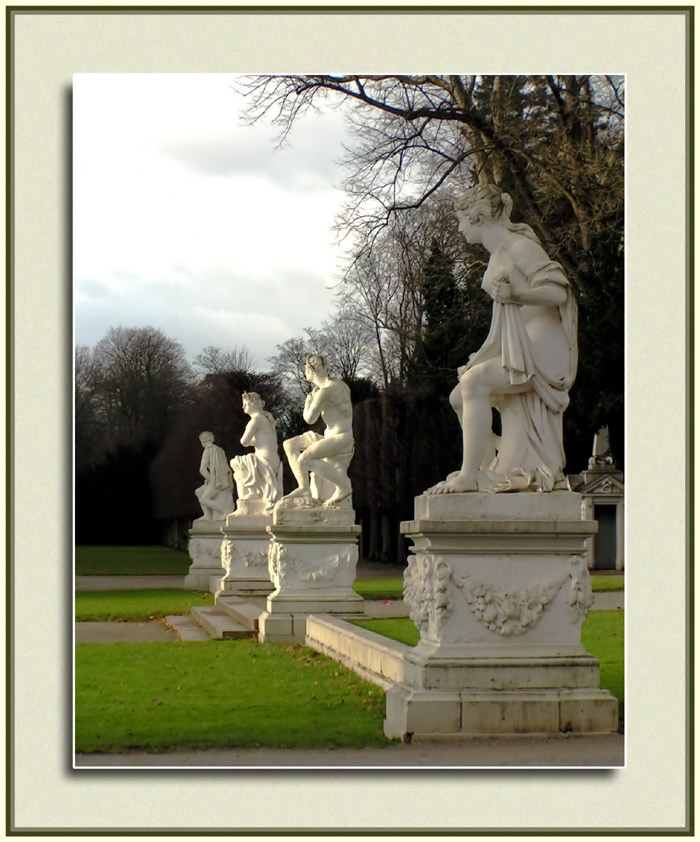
327 456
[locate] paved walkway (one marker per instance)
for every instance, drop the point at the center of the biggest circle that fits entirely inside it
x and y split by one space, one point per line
603 751
104 632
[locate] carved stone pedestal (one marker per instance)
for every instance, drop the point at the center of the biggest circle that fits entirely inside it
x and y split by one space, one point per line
313 558
204 548
499 588
244 555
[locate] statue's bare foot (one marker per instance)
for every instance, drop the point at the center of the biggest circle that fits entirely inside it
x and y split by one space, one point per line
456 483
339 495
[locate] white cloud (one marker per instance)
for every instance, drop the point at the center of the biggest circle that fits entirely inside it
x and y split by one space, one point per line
188 221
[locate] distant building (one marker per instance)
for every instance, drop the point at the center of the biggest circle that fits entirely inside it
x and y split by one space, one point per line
603 491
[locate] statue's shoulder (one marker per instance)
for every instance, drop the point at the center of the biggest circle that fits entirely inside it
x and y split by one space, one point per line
524 249
340 388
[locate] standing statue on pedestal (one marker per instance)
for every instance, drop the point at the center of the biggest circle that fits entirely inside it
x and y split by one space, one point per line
327 456
258 475
527 363
215 496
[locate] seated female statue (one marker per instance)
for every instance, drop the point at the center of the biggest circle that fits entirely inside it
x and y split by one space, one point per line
527 363
258 475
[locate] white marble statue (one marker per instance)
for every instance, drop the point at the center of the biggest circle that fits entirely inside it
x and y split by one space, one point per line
327 456
527 363
216 495
258 475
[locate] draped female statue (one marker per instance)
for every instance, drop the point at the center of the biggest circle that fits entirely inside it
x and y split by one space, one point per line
258 475
526 365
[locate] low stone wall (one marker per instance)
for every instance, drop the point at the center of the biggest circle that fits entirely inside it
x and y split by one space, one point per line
377 659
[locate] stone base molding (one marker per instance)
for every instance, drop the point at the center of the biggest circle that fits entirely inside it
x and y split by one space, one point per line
498 587
244 556
312 566
204 548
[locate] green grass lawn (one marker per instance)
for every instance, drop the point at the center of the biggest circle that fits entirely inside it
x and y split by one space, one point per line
131 561
396 628
219 694
602 634
379 588
137 605
167 696
607 583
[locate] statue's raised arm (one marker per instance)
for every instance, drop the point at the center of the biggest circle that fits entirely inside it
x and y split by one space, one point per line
526 365
325 457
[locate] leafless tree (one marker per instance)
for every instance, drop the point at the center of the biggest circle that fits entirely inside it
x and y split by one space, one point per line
553 142
290 363
90 428
213 360
143 380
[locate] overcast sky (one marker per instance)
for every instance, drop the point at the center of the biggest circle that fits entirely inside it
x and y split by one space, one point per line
187 220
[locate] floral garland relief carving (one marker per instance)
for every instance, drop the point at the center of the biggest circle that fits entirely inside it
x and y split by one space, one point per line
255 559
427 590
201 551
295 570
427 594
227 554
580 597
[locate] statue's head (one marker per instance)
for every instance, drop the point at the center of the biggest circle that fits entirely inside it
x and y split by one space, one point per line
315 364
484 202
252 400
206 438
484 206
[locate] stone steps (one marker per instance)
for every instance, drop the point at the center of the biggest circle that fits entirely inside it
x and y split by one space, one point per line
186 628
219 624
243 611
230 618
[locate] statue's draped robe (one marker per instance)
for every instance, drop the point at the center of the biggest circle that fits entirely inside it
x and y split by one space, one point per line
219 472
257 478
531 440
217 488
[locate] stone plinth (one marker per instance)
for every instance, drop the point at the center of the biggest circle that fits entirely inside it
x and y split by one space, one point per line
244 555
312 561
498 587
204 548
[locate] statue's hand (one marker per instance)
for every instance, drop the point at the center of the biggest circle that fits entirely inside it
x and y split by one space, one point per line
503 291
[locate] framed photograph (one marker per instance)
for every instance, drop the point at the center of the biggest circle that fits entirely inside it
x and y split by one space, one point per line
145 209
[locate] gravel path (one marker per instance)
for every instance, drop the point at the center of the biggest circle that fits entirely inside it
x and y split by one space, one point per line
604 751
94 632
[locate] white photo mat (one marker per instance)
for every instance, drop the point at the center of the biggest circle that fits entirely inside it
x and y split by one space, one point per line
650 49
